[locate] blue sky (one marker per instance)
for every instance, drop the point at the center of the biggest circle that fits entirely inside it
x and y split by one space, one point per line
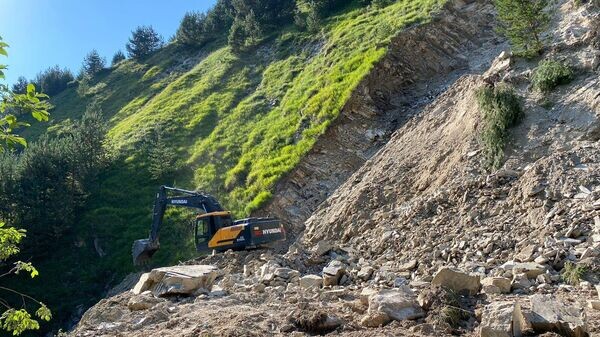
42 33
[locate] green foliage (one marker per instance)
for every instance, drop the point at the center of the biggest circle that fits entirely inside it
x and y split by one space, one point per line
522 22
191 30
20 87
502 109
53 80
573 273
144 41
549 74
162 159
10 238
93 63
118 57
311 13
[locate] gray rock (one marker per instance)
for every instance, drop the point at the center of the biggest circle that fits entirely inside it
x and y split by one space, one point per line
399 304
457 280
322 247
503 319
311 281
551 314
333 272
496 285
143 302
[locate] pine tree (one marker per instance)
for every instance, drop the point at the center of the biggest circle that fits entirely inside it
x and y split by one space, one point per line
118 57
522 22
93 63
144 41
191 30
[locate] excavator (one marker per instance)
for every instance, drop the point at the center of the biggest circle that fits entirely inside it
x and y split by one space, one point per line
214 227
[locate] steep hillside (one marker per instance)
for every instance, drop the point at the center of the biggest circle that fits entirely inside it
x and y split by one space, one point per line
489 253
237 123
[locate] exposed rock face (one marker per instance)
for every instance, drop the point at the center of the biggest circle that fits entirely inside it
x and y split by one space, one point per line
549 314
177 280
457 281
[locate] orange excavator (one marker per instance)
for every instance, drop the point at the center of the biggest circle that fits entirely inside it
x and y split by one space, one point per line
214 227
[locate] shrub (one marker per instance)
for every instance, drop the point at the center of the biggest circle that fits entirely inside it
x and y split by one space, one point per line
144 41
573 273
502 109
549 74
118 57
20 87
522 22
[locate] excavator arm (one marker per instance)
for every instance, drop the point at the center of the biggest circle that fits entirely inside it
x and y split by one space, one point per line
143 250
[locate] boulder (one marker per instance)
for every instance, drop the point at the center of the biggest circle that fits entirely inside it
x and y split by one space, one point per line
551 314
365 294
496 285
333 272
503 319
311 281
594 304
399 304
177 280
457 281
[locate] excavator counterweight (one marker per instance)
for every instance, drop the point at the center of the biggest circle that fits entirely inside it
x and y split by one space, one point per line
214 228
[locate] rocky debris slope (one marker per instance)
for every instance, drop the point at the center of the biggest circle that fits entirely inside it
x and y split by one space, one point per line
421 240
420 64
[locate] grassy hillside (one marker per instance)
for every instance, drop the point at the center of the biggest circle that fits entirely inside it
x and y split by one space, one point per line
237 124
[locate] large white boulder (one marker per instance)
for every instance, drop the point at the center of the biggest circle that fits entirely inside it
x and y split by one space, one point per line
398 304
177 280
503 319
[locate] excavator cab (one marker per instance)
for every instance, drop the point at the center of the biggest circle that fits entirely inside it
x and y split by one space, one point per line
207 225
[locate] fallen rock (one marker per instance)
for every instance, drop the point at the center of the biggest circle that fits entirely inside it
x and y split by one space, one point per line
457 281
333 272
374 320
143 302
550 314
399 304
503 319
311 281
531 269
322 247
496 285
365 273
594 304
315 321
365 294
177 280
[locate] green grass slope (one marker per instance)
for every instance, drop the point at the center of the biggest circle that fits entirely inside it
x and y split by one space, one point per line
236 123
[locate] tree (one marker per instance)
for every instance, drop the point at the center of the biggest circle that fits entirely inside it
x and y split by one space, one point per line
118 57
162 158
144 41
522 22
20 87
191 30
93 63
53 80
310 13
17 320
245 32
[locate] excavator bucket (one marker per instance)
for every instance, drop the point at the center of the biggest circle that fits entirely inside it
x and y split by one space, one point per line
143 250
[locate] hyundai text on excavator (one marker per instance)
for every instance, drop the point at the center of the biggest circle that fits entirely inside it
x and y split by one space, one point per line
214 228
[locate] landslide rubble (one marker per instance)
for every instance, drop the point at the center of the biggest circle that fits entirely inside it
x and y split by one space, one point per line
421 240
